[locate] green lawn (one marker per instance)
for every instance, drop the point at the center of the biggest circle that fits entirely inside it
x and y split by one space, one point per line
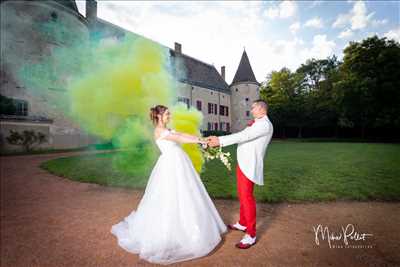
294 171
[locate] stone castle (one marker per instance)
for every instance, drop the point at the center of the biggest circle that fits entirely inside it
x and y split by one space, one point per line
226 107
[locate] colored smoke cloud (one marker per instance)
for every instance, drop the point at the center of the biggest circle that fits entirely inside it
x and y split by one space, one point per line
106 87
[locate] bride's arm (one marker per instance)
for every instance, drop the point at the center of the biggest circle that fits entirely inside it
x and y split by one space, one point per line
184 138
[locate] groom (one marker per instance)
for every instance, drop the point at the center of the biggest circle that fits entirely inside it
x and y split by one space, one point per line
252 144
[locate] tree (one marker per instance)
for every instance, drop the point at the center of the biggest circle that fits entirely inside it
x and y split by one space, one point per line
283 91
361 92
370 86
319 77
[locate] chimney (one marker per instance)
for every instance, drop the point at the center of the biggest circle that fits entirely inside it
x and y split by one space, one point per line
91 9
178 48
223 72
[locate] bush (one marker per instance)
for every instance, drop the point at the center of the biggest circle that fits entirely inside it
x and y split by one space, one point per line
26 139
216 133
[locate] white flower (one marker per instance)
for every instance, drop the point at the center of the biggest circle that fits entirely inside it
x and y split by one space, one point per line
211 153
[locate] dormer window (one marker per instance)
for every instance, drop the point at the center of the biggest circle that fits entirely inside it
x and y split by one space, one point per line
54 16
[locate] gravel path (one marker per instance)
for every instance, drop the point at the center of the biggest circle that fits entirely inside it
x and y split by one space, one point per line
51 221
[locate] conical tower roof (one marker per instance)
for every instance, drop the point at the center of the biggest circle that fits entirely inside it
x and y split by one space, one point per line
244 72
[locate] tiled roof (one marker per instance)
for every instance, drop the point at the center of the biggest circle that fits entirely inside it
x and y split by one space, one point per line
196 72
244 72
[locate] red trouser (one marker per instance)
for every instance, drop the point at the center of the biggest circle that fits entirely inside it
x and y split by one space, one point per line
247 202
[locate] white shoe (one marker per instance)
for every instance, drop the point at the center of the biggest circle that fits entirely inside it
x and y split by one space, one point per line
246 242
247 239
237 226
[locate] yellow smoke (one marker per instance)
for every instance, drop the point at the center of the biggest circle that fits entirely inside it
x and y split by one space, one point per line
189 121
110 87
127 86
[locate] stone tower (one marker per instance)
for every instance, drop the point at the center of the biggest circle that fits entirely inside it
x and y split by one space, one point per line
245 89
30 32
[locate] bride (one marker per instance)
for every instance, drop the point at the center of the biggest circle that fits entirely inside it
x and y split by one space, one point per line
176 219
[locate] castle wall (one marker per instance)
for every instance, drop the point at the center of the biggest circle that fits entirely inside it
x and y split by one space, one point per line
243 95
205 95
23 43
29 35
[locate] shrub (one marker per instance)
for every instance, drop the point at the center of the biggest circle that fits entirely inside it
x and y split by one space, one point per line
216 133
26 139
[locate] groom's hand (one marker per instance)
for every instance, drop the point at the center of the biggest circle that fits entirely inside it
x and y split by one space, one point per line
213 141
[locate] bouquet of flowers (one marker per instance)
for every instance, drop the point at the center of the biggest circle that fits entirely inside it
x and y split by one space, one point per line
210 153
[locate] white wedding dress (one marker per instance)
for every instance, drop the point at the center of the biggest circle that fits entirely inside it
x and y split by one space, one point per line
175 220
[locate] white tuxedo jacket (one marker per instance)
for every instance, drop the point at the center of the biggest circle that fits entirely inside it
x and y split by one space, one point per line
252 144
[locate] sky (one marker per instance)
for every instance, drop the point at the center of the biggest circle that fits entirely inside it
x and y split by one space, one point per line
275 34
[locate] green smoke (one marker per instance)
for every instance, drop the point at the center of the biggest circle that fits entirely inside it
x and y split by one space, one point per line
106 87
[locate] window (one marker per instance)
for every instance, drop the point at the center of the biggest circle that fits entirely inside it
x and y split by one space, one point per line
209 126
236 89
198 104
248 113
228 127
10 106
224 110
221 126
53 16
216 126
210 108
184 100
20 107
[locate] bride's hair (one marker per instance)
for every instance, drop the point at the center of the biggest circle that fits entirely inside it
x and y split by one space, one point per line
157 110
